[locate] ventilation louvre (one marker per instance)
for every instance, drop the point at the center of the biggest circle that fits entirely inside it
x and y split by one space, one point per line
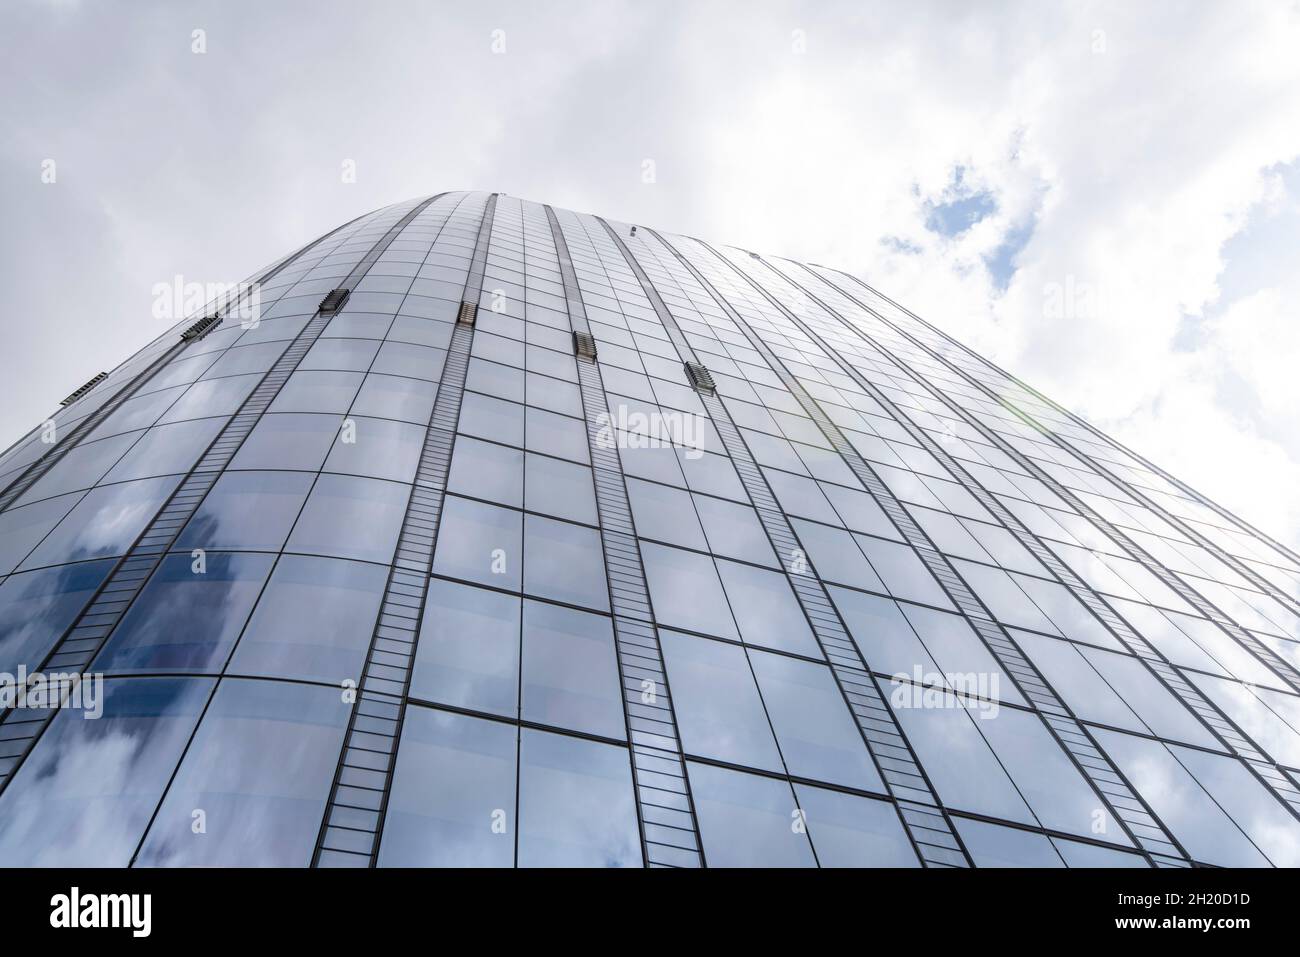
584 345
197 330
700 378
84 389
468 313
334 299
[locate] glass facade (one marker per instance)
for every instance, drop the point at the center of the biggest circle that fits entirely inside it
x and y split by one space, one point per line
564 542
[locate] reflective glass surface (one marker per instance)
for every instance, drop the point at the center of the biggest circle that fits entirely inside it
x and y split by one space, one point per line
385 587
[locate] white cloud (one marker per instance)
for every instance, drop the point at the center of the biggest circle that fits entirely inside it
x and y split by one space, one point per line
1139 139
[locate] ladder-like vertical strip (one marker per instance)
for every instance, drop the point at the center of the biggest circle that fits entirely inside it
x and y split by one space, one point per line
73 652
924 818
1229 734
669 827
358 801
1128 807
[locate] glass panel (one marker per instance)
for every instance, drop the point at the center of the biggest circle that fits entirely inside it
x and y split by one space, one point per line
564 562
288 441
717 705
734 531
394 397
21 528
558 435
1046 777
954 754
325 392
685 591
37 607
766 609
559 488
665 514
746 820
852 831
903 572
485 470
79 469
351 518
453 796
468 654
817 734
103 523
313 622
85 794
479 543
251 510
1077 854
188 616
166 450
991 845
252 789
570 674
576 804
835 556
377 448
490 418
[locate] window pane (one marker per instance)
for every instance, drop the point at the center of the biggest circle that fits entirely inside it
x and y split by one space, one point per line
746 820
21 528
84 796
313 622
685 591
1046 777
479 543
351 518
557 435
817 734
468 653
485 470
260 769
395 397
576 806
288 441
991 845
835 556
960 764
453 796
766 609
103 523
564 562
903 572
734 531
717 705
307 391
166 450
251 510
37 607
570 676
665 514
184 619
852 831
559 488
379 449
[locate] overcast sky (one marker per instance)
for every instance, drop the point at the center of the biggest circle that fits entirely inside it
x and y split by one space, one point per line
1102 198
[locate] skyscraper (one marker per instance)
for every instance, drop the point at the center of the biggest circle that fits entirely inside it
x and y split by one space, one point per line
499 534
